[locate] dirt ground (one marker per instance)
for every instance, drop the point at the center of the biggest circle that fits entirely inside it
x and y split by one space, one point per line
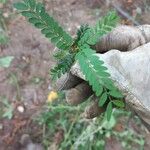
26 82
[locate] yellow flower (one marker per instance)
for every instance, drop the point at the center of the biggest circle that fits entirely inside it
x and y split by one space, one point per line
52 96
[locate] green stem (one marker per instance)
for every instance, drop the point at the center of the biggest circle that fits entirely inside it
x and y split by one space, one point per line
71 127
17 86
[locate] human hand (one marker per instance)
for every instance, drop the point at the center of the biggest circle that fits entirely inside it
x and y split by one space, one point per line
129 70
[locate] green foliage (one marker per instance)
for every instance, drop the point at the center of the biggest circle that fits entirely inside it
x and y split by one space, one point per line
109 110
80 134
6 108
77 50
80 32
3 1
63 66
103 99
36 14
3 29
6 61
3 38
98 77
94 71
102 27
119 103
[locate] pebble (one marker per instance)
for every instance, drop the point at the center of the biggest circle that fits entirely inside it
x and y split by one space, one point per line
20 109
6 15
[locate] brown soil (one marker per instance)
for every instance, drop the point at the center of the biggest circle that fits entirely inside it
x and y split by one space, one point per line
33 60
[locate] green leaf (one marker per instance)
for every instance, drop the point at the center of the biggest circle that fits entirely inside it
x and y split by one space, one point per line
6 61
108 83
34 20
3 37
103 73
61 45
97 76
8 109
40 25
98 92
62 67
109 111
102 99
109 125
8 113
102 27
28 14
20 6
46 30
37 15
55 39
97 63
32 4
39 7
119 103
80 32
116 94
49 35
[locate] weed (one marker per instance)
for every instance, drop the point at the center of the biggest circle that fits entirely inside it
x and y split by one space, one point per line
3 28
6 108
3 37
78 132
14 81
6 61
3 1
78 49
82 134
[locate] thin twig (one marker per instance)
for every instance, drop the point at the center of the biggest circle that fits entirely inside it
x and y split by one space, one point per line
125 14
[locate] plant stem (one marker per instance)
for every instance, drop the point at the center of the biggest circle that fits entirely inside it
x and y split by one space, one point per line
71 126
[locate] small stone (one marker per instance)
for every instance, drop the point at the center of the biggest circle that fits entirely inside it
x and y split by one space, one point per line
69 29
6 15
20 109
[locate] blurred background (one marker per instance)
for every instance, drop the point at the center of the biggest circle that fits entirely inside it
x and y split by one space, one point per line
25 61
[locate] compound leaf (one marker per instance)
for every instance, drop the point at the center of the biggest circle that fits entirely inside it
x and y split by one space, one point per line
79 49
37 15
102 27
62 67
94 75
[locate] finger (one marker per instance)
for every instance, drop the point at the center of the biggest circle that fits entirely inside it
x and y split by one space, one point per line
93 110
124 38
67 81
78 94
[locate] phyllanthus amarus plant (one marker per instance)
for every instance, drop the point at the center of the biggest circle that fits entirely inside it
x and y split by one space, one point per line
77 49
